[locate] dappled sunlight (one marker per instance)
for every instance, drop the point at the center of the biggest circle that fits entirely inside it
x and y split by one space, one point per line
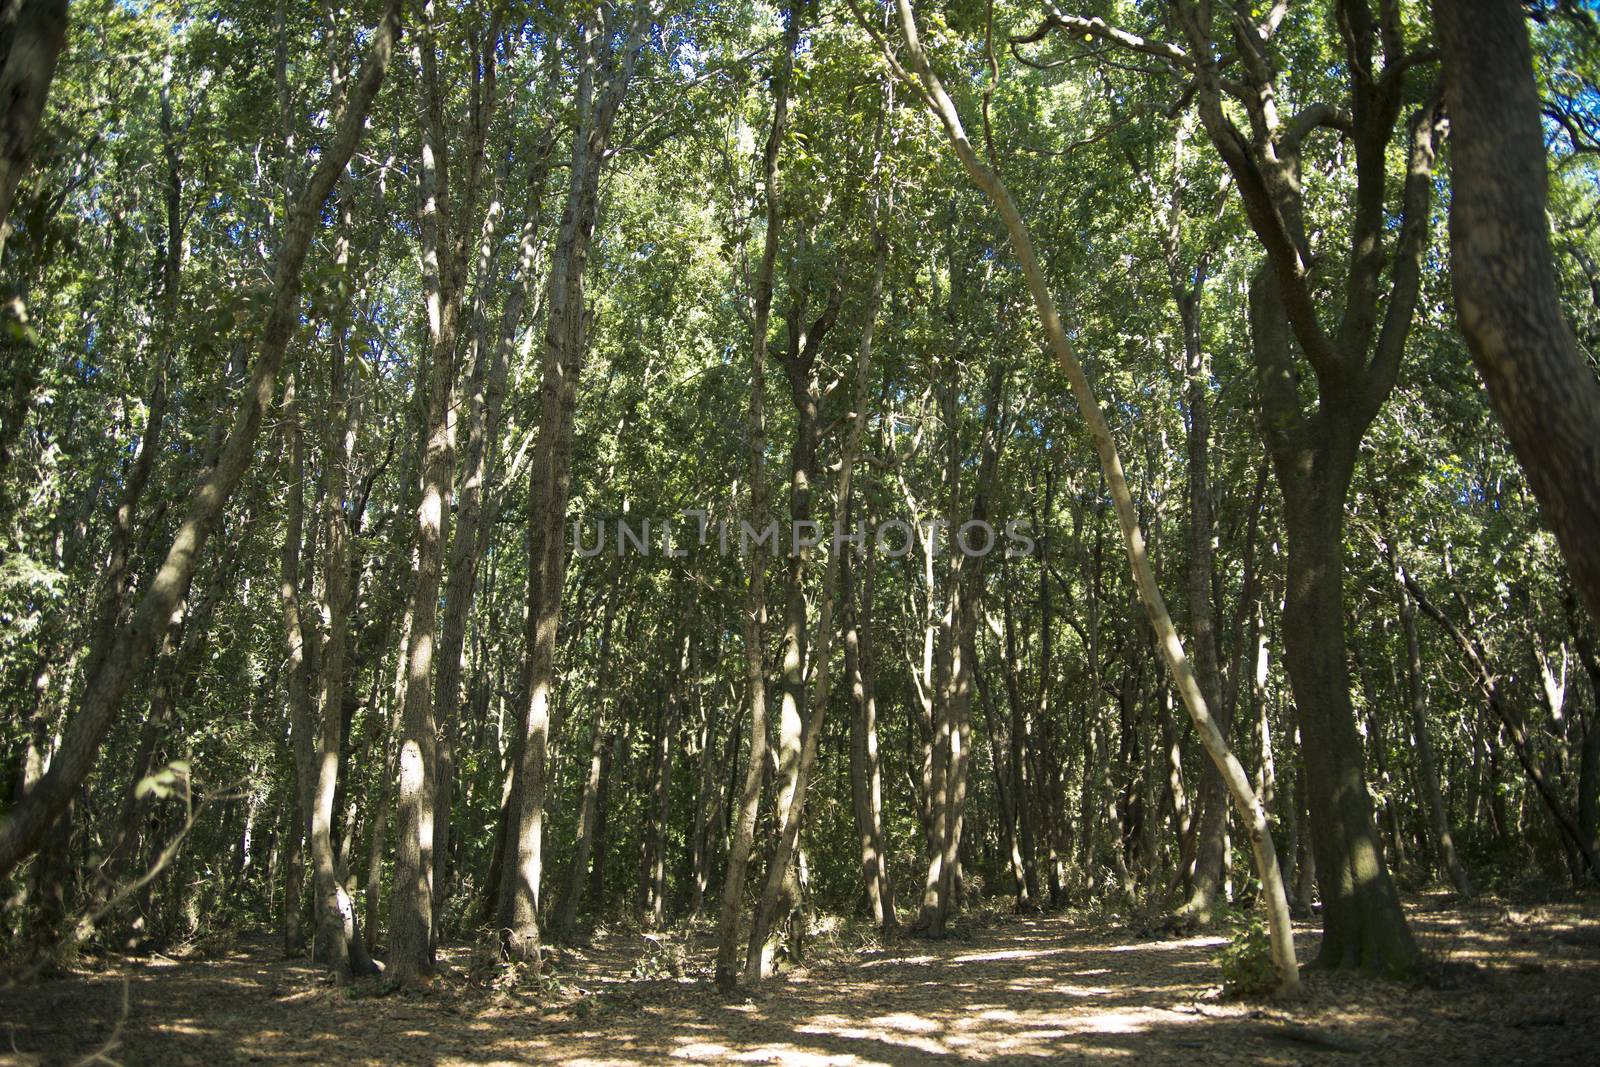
1050 990
1010 954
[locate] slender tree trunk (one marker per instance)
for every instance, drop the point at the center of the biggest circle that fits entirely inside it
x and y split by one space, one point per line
485 393
661 792
1216 745
866 773
755 607
411 909
791 814
297 683
1018 755
614 50
339 943
599 735
1589 757
1447 859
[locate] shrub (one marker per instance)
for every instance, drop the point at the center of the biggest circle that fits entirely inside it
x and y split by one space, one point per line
1246 962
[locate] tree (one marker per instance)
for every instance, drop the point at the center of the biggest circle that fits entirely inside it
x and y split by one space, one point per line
1545 392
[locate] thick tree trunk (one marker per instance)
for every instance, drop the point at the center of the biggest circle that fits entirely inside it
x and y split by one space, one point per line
1363 925
31 38
953 705
1503 274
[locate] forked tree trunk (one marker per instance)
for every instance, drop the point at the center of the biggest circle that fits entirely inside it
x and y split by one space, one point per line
607 53
339 943
755 607
791 814
485 393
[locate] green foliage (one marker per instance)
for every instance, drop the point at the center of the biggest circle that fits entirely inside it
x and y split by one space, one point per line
1246 962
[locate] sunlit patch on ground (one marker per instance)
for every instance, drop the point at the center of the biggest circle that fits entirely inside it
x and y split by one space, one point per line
1517 983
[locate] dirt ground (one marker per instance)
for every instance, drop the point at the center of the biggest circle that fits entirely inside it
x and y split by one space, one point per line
1515 984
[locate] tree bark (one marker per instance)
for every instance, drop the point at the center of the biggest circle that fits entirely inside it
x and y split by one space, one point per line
607 56
1503 275
791 814
31 40
866 772
755 607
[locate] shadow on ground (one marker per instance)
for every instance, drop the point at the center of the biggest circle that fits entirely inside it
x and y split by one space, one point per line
1520 986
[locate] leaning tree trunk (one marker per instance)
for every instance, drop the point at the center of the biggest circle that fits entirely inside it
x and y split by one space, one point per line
1250 810
1503 275
134 643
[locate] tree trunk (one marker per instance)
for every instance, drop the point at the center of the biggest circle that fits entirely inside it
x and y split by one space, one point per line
791 814
411 907
1503 275
338 939
866 774
610 51
599 734
755 608
1216 746
30 43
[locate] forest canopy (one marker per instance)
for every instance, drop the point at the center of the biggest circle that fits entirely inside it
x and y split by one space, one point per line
483 471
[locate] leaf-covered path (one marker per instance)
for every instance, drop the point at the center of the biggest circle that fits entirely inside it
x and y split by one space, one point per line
1520 984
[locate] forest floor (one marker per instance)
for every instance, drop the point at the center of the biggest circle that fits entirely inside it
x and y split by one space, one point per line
1511 983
